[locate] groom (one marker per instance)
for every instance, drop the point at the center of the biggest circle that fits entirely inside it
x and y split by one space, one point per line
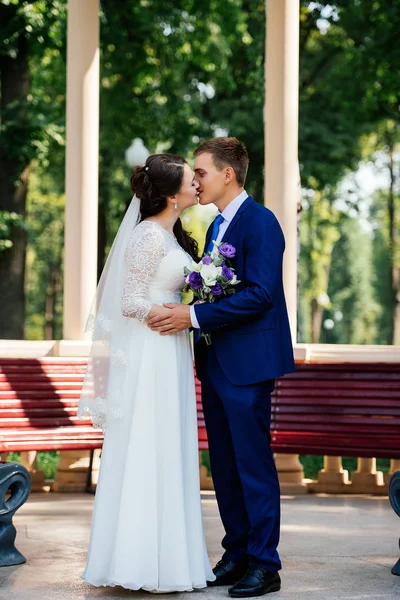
250 347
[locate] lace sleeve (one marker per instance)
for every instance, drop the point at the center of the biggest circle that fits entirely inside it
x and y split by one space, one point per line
144 253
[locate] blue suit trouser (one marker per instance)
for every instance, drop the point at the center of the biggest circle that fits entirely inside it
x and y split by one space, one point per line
242 465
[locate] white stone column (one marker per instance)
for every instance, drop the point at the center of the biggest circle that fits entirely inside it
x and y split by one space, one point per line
281 133
81 180
281 190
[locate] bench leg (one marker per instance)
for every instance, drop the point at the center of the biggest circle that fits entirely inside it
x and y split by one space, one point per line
394 497
15 485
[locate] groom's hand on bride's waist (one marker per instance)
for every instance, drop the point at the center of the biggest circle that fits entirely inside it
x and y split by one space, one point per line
176 320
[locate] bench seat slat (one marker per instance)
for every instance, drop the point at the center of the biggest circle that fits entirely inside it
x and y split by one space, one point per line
58 386
352 420
335 392
46 405
324 403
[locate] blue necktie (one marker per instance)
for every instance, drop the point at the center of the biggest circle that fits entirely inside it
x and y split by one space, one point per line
214 233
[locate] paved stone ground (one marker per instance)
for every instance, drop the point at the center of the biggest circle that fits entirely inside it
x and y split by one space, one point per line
332 548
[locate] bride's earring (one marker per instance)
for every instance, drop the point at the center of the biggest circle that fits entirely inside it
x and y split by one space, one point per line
176 205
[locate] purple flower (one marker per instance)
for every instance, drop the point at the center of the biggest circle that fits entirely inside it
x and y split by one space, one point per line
227 273
195 280
227 250
206 260
217 290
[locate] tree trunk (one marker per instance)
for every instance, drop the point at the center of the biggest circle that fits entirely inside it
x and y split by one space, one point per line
14 171
394 335
102 230
316 321
51 300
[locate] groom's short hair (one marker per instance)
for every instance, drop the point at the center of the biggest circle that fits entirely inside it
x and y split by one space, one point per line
227 152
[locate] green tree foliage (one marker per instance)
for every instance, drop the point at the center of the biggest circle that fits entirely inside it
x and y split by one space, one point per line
174 73
352 308
318 234
26 121
44 261
160 65
385 216
346 92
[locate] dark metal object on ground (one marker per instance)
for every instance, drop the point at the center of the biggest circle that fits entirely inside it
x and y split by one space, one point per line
15 485
394 497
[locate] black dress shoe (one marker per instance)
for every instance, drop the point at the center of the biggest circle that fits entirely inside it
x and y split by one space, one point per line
228 573
256 582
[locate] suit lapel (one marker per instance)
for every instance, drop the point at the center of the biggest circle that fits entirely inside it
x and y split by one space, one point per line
236 219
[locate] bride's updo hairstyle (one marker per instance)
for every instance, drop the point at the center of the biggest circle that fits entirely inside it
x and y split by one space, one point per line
159 178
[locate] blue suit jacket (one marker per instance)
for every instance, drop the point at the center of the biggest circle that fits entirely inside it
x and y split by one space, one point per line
250 329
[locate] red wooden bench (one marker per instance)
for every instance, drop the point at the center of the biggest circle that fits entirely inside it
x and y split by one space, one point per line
38 405
336 409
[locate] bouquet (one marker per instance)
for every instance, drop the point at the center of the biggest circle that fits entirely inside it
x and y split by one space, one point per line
213 277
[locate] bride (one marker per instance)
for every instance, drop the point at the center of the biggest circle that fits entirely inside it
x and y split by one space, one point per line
147 530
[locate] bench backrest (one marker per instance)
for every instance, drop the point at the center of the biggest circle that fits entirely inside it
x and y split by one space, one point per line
339 409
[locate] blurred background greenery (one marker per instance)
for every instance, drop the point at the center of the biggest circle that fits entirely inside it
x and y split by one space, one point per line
46 461
175 72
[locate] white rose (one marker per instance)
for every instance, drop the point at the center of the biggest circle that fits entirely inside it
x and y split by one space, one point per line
196 266
217 258
209 274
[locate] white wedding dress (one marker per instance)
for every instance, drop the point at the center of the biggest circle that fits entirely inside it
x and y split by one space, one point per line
147 530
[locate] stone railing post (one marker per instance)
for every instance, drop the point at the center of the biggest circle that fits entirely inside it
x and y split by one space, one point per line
206 482
72 470
367 480
29 461
290 473
332 479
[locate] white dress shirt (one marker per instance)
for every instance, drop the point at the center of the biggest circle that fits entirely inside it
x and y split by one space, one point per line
228 213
